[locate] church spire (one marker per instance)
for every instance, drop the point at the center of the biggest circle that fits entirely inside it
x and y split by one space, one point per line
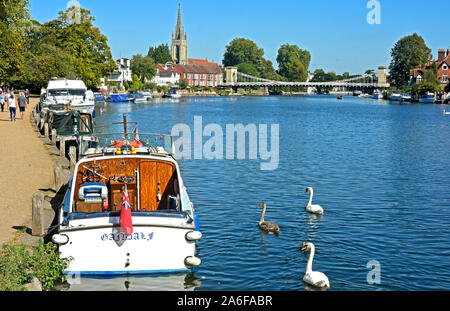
179 31
179 41
179 24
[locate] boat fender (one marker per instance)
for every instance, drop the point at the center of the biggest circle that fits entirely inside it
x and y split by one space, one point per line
60 239
193 235
192 261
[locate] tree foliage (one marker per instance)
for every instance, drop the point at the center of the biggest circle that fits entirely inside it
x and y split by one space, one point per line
408 53
15 18
143 66
293 62
248 68
61 48
429 84
160 54
246 54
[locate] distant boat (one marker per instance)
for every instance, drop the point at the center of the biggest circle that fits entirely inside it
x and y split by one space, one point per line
119 98
144 97
172 94
406 97
395 96
377 95
340 97
446 112
427 98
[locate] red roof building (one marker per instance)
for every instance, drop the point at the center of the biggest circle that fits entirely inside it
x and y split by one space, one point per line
443 66
198 72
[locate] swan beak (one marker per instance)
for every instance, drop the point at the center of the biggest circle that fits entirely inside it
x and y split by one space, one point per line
307 190
304 247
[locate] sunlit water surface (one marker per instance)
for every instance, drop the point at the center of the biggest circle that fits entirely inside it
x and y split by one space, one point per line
380 170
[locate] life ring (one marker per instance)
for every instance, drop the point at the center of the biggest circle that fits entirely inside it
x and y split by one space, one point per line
118 144
135 144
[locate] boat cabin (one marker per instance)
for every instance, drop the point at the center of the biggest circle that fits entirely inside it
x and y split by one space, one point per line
152 185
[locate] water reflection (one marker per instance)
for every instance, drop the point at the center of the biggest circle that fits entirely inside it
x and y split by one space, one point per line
174 282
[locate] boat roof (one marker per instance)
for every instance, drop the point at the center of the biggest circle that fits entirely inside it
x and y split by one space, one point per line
64 84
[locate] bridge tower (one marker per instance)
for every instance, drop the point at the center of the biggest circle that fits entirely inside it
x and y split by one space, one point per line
231 74
382 79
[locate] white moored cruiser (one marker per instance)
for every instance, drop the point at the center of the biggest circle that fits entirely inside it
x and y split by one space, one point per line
164 224
64 93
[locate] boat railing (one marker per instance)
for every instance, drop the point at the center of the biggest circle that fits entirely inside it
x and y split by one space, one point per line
131 143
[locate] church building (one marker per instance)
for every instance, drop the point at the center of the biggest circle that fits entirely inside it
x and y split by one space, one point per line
196 72
179 42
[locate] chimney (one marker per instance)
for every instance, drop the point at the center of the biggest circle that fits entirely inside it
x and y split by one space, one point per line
448 52
441 55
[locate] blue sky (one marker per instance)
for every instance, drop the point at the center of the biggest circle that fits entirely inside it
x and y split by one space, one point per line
336 32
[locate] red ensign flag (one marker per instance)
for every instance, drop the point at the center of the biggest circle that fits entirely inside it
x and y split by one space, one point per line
125 214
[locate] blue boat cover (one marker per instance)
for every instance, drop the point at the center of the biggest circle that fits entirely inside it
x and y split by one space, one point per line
119 98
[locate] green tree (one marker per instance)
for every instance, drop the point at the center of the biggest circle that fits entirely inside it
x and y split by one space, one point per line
408 53
249 69
135 83
160 54
293 62
241 51
429 84
143 66
14 20
88 47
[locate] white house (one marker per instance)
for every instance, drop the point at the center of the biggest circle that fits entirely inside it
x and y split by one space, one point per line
122 73
166 78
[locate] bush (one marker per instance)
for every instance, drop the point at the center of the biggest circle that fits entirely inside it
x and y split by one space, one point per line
19 264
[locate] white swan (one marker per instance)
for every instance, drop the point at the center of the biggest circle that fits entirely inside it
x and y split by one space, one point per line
446 112
314 278
310 208
267 226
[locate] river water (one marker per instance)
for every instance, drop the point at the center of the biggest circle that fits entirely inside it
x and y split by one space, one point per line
380 170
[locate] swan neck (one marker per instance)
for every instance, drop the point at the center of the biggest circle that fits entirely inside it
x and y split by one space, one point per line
311 195
310 260
263 214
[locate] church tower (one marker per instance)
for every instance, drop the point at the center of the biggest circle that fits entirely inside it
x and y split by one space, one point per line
179 42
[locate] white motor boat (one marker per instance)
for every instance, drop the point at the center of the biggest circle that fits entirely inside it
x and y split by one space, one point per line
377 95
427 98
126 210
173 93
395 96
144 97
405 97
65 94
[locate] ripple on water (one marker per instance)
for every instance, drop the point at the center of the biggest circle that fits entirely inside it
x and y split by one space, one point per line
380 171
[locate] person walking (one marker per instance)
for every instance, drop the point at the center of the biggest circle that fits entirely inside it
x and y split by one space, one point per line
22 104
2 100
27 96
12 107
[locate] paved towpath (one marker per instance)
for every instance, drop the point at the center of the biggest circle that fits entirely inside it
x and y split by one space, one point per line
26 166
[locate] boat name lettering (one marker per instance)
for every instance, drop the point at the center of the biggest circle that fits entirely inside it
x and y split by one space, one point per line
122 236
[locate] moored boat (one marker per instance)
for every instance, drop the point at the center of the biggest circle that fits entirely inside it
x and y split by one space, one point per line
395 96
119 98
126 210
427 98
64 94
405 97
377 95
172 93
143 97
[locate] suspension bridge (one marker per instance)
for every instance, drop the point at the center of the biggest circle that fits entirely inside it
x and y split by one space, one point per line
236 79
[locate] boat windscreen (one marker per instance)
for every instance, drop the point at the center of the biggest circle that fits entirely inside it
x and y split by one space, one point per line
66 92
152 143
